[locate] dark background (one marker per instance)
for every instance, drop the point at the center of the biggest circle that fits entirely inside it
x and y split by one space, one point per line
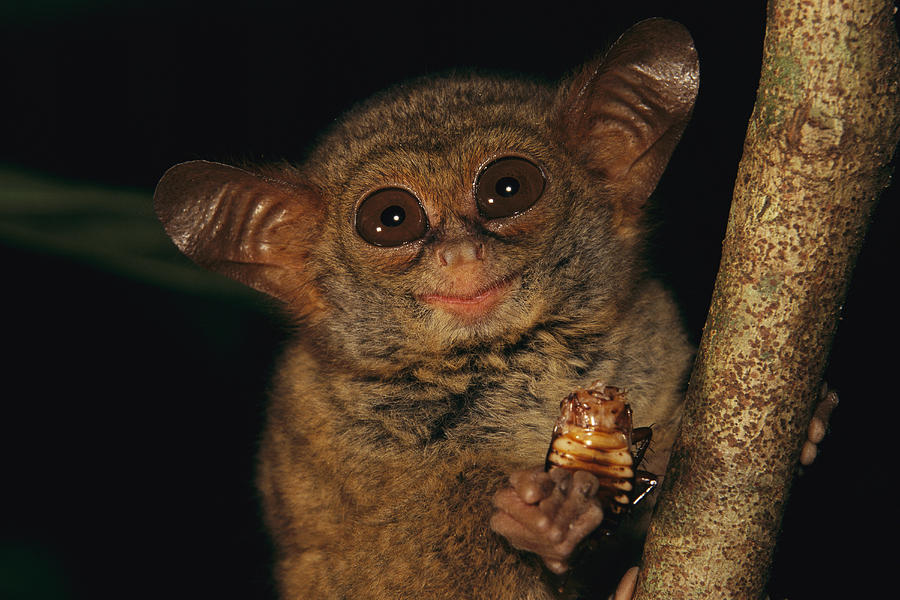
135 384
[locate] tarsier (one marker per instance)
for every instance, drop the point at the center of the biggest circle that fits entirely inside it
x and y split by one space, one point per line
458 254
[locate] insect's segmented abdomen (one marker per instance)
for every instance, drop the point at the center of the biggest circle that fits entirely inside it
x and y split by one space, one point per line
593 433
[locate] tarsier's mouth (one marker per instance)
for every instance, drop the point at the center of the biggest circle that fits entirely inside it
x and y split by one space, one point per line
475 304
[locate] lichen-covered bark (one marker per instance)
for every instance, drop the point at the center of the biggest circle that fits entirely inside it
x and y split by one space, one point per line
824 127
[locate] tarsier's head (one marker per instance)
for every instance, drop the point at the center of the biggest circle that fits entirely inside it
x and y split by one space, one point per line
454 211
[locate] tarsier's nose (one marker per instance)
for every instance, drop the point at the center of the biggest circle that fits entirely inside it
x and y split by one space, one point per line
459 252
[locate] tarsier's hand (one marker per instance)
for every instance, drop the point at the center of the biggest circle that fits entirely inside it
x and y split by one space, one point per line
548 513
828 399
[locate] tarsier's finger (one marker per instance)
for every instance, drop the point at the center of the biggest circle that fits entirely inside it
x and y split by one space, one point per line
531 518
560 482
532 485
586 522
515 533
828 400
580 510
818 426
520 524
505 498
808 453
562 478
625 589
550 506
556 566
525 527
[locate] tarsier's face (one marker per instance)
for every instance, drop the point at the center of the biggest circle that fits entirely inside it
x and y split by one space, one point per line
462 230
456 249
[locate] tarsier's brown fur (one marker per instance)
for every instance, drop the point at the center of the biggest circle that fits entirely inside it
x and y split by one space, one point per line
392 422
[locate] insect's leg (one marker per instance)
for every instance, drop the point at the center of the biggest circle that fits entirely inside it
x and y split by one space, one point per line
644 483
640 439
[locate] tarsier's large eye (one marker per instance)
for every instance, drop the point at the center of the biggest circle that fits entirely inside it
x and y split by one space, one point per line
390 217
508 186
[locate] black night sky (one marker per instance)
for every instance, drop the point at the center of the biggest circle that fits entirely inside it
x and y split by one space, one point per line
136 384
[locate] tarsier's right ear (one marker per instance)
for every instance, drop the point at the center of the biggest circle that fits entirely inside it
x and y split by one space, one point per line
250 228
623 113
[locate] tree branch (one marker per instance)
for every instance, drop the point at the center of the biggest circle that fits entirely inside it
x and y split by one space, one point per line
823 130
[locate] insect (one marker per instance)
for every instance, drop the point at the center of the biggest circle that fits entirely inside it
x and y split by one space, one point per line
594 433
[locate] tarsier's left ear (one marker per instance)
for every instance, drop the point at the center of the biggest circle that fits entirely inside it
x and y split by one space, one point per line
256 230
623 113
